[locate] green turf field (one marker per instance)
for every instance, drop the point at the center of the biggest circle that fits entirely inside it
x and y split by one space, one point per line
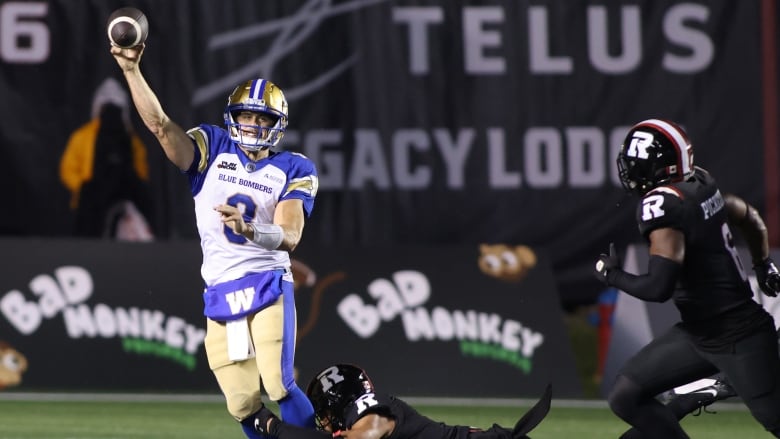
153 420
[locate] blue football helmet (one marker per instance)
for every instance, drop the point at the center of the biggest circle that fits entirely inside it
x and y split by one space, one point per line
261 96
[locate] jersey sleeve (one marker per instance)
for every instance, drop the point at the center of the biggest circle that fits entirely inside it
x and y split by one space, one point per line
660 208
302 182
204 140
205 143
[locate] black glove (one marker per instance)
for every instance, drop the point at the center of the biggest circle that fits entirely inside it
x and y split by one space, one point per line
607 263
768 277
261 420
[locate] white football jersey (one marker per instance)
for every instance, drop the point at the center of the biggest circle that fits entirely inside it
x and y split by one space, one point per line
222 174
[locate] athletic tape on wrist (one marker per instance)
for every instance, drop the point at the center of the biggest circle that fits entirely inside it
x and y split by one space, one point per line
268 236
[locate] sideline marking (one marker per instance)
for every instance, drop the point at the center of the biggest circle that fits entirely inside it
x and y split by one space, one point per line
414 401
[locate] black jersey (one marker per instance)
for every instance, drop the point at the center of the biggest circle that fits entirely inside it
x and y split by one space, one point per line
409 424
714 295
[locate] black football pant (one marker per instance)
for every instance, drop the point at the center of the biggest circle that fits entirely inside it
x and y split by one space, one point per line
752 366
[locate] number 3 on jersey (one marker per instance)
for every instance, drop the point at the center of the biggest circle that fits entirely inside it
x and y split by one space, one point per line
249 214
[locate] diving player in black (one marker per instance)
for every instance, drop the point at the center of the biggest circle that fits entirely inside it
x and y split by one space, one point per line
693 260
346 406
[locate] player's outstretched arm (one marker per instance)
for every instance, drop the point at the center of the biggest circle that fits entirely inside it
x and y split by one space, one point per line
177 145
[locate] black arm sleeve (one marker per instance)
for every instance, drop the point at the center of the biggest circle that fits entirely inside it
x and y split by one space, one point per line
283 430
657 285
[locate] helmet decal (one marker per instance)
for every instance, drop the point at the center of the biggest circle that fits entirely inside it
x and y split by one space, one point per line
678 138
256 92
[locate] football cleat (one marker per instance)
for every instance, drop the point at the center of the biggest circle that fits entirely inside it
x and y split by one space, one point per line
698 395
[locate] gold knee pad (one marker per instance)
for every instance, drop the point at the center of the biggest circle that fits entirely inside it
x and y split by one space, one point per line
243 405
240 384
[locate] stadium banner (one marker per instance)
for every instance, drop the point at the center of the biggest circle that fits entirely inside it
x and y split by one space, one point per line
482 321
430 122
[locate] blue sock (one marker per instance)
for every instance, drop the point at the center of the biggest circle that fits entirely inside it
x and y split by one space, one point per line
248 425
296 408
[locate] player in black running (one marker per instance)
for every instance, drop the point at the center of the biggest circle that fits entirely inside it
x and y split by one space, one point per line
693 260
347 406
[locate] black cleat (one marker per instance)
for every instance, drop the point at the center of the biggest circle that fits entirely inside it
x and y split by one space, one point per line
695 397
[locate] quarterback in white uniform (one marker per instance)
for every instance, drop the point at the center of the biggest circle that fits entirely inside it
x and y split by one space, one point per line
250 203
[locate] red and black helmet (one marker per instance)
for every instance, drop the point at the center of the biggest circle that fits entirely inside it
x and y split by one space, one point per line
333 390
655 152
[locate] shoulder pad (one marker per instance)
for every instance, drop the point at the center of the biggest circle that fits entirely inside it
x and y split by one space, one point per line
671 190
662 207
201 138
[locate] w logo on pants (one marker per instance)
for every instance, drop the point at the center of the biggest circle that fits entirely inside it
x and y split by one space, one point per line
241 300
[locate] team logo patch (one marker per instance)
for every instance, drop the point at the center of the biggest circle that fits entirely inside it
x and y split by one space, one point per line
227 165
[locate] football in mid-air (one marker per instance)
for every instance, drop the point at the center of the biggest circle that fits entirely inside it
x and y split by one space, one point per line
127 27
